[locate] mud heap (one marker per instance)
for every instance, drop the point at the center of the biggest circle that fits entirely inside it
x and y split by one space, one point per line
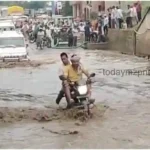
33 63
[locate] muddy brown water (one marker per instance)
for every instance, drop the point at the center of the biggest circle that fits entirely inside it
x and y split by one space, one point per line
125 124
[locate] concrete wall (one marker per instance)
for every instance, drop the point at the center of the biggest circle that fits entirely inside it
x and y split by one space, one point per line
143 37
122 40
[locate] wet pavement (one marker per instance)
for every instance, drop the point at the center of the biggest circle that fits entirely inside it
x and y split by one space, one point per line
125 125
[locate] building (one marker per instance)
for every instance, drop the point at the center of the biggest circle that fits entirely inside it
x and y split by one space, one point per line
82 9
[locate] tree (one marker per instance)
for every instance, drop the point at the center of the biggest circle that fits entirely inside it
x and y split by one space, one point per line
67 9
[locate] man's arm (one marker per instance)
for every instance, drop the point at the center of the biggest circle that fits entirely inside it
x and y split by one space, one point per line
85 71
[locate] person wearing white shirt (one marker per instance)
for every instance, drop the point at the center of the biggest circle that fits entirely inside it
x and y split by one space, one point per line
106 21
135 18
131 15
48 35
33 27
113 17
128 17
119 17
52 26
81 27
75 35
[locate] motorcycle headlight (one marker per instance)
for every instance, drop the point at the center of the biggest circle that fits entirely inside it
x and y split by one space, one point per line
82 89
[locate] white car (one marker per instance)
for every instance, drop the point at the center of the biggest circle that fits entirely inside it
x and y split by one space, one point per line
7 26
12 46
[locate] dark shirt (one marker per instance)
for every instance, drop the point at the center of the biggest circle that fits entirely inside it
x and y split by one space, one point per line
70 34
87 29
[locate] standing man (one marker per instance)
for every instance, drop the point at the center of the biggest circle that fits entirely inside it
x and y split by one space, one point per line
109 17
119 17
129 17
106 22
87 32
48 35
75 35
70 37
113 23
135 17
139 9
25 29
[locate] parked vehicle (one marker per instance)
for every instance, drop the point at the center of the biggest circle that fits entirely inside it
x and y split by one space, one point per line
13 46
7 26
31 37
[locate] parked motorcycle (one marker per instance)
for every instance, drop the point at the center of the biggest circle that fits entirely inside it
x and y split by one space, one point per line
31 37
48 42
42 43
79 93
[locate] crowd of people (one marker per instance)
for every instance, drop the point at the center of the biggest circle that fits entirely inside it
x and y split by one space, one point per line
93 32
119 18
47 29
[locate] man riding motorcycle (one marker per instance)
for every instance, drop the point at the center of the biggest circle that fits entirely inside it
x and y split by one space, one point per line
73 74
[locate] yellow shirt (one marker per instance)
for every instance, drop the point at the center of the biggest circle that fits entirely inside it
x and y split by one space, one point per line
74 75
63 69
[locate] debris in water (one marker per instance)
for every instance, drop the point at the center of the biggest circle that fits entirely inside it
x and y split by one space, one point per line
78 123
43 117
1 115
62 132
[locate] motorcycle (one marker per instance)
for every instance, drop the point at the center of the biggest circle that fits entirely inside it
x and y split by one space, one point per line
93 37
79 93
42 43
48 42
31 37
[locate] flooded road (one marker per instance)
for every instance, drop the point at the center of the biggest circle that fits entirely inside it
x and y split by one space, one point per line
124 125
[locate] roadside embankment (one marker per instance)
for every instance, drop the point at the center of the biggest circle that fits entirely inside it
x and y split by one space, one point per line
122 40
32 63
